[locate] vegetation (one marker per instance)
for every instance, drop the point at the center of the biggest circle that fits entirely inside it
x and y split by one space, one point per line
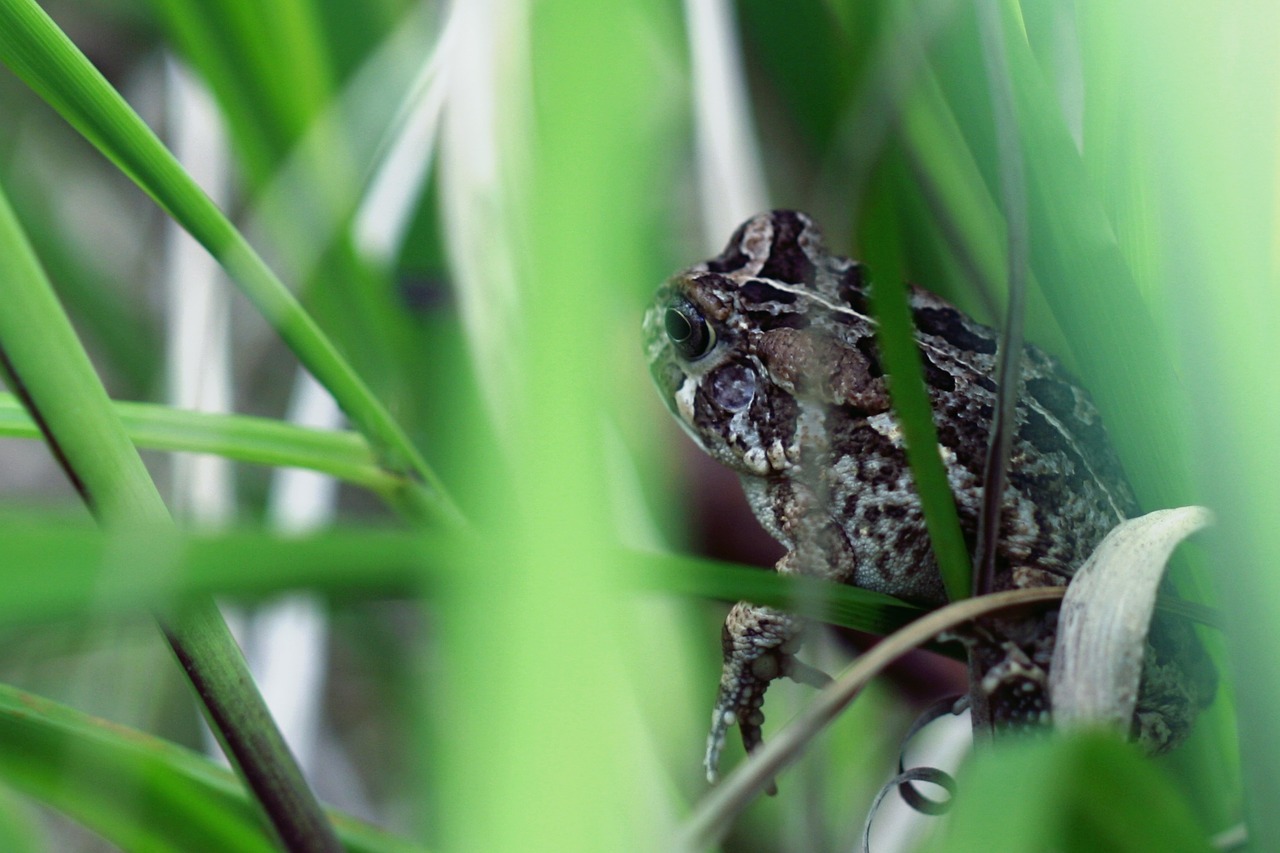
452 216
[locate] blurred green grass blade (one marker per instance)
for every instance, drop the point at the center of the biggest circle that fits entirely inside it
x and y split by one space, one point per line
137 791
33 46
960 206
1092 292
85 570
837 604
21 829
576 81
240 50
1083 792
125 341
261 441
1216 122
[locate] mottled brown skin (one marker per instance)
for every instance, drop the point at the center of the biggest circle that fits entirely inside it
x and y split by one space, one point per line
766 355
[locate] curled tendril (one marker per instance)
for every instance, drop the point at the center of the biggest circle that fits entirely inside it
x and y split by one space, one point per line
905 778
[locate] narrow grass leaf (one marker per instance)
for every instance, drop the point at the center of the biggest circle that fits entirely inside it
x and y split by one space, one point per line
137 791
836 604
895 335
260 441
1009 371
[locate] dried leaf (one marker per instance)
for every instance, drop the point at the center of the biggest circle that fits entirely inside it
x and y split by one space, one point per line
1105 616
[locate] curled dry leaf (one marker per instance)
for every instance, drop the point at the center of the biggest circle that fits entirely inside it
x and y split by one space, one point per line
1106 615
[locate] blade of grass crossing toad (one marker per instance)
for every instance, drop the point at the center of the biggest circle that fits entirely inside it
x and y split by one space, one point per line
83 569
1009 370
896 339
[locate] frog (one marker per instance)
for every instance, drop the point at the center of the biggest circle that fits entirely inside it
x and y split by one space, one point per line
767 357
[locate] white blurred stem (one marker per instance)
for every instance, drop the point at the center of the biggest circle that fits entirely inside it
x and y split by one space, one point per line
286 642
384 213
199 369
482 176
730 175
198 330
393 94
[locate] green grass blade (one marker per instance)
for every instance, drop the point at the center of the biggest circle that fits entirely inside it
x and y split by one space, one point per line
43 361
1009 369
137 791
260 441
1218 245
33 46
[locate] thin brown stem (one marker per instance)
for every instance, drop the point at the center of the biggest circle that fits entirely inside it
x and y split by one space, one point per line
1009 365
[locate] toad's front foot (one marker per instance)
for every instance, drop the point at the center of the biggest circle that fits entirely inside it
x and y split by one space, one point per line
759 646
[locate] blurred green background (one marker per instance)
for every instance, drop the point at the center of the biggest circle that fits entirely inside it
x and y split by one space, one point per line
475 202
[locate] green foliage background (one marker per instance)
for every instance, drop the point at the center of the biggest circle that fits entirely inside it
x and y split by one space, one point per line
515 674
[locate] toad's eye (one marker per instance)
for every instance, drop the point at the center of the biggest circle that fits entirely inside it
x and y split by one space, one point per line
688 331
